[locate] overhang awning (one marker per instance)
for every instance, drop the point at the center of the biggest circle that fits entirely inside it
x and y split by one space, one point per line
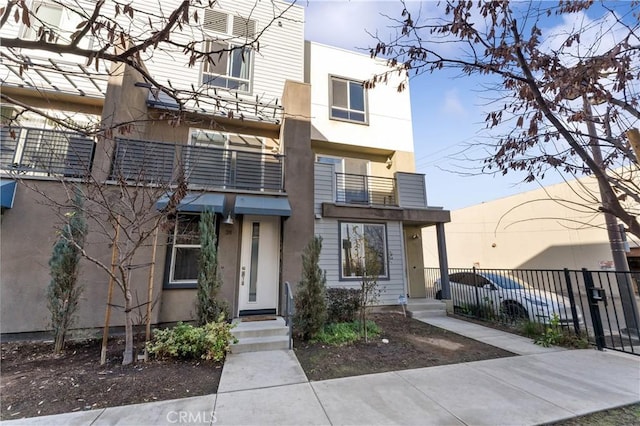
7 193
196 203
262 205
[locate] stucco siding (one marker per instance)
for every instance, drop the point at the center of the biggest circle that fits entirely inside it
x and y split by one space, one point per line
389 112
541 229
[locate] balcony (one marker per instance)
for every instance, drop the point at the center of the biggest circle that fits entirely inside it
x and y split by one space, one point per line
204 166
365 190
404 190
41 152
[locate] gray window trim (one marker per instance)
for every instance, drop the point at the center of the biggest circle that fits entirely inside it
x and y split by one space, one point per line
365 95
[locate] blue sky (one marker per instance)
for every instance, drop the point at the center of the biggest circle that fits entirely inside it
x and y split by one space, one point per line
448 112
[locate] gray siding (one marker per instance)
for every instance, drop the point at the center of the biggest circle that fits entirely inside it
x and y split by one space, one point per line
390 288
412 191
323 192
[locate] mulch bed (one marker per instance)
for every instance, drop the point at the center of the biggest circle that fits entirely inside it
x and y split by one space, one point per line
412 344
34 382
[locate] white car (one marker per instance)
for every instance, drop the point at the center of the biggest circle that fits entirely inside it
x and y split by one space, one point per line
501 294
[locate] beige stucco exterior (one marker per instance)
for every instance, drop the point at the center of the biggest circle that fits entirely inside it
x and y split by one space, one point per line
550 228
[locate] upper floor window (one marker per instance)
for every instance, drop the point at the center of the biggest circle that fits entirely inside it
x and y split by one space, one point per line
46 16
231 69
51 21
348 100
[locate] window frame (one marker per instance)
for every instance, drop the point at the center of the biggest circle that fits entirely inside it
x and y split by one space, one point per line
349 110
170 282
227 78
358 278
64 27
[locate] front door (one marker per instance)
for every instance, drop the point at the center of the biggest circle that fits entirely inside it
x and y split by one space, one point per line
259 265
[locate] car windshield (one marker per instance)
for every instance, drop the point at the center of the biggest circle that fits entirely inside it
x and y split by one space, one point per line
504 281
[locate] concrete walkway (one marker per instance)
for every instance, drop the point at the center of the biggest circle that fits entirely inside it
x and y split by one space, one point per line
507 341
271 388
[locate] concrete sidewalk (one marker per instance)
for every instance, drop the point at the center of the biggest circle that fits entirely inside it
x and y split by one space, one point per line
271 388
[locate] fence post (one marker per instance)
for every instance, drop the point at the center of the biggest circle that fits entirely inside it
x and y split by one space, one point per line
572 301
594 309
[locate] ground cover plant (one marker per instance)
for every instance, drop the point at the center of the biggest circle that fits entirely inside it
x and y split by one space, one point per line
402 343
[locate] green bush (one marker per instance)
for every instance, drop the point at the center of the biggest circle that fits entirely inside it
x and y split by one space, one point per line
185 341
343 304
345 332
310 304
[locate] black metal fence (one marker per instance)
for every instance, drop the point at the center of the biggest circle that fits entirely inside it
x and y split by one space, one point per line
600 306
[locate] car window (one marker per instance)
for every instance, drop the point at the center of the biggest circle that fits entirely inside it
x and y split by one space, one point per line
481 281
505 282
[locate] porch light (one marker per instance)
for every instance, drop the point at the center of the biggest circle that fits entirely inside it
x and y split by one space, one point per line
228 220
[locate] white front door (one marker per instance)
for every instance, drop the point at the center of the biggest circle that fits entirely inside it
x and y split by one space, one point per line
259 264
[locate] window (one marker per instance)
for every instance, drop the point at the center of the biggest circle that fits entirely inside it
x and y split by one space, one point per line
185 251
55 22
348 100
363 250
229 70
45 16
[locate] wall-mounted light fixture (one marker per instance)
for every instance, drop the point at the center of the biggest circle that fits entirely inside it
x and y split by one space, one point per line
389 162
415 236
228 220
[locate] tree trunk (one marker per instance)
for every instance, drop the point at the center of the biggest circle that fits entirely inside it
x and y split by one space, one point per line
127 355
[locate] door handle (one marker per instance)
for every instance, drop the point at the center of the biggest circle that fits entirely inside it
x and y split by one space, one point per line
242 275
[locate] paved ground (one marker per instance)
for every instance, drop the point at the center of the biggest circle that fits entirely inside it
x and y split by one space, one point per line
543 385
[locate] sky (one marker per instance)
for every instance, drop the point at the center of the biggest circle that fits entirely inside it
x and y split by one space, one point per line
448 111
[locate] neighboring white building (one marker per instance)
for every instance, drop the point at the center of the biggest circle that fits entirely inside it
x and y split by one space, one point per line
553 227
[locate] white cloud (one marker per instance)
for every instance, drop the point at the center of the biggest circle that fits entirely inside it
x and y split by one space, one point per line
345 23
453 103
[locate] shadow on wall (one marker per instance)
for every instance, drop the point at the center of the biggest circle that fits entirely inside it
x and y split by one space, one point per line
591 256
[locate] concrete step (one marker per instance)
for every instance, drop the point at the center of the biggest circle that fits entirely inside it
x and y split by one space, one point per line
252 329
426 308
257 344
427 314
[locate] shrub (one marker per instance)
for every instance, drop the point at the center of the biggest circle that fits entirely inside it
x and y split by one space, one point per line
209 306
185 341
63 293
343 304
345 332
310 303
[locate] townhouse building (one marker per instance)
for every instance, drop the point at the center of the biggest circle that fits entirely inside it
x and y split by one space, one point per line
282 142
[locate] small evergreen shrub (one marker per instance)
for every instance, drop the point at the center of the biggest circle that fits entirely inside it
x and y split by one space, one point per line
209 306
343 304
186 341
310 304
63 292
346 332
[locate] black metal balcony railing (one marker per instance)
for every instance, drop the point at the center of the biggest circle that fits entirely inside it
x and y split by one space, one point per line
41 152
365 190
205 166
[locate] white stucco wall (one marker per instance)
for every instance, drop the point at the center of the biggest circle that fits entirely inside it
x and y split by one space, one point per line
541 229
389 112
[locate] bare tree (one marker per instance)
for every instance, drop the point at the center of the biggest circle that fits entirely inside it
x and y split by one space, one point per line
565 99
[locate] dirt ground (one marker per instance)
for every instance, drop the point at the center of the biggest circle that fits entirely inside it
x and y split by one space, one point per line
34 382
412 344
